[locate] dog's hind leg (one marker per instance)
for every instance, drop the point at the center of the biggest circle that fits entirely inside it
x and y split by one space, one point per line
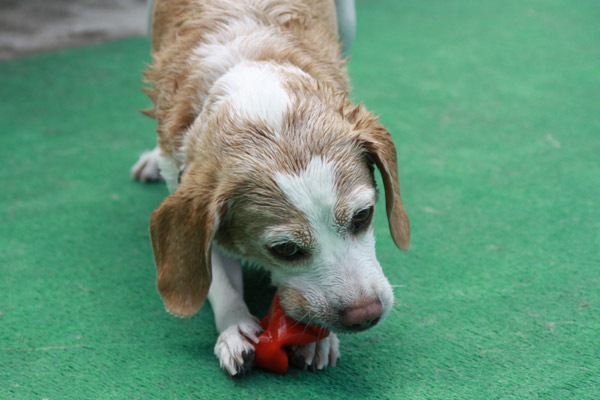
146 168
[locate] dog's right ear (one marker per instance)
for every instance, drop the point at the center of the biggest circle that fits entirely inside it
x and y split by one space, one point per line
380 149
182 229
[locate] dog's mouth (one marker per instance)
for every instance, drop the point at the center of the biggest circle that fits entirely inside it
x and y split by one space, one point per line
358 318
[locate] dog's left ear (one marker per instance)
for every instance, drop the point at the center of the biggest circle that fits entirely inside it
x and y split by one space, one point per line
379 148
182 229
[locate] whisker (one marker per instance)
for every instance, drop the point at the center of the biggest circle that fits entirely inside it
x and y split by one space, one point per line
395 310
309 322
298 320
307 325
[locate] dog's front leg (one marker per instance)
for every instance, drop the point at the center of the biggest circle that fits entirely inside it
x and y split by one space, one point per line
236 326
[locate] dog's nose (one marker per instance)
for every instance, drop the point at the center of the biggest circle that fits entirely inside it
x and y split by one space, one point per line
362 315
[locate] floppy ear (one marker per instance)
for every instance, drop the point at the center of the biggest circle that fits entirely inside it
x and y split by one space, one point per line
182 228
380 148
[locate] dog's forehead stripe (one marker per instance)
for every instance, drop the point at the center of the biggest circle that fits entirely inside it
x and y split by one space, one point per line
313 191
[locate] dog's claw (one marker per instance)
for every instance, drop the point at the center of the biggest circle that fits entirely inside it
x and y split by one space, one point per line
234 347
318 356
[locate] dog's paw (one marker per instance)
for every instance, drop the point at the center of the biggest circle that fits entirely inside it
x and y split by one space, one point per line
146 168
318 355
234 347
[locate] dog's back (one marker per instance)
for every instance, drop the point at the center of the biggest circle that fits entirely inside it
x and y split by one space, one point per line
169 15
196 42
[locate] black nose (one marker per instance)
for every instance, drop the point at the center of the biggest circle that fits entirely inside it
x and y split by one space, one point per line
361 315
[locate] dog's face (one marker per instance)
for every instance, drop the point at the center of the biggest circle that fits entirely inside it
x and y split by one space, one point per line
312 229
320 248
299 202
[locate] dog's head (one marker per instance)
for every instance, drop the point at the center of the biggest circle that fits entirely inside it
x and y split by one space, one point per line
295 194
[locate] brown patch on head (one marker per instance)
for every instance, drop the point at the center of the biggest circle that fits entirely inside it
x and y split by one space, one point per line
251 214
321 122
325 123
244 156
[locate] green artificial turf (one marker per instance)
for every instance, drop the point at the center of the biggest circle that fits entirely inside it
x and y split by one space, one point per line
495 110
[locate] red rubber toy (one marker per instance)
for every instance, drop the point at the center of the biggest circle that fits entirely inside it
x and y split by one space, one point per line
280 331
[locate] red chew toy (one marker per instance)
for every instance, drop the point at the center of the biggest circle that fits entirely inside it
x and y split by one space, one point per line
281 330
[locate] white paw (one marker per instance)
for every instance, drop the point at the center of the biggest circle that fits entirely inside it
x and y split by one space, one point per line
146 168
318 355
234 347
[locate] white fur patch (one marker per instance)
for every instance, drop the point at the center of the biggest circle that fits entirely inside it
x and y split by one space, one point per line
226 57
313 191
255 90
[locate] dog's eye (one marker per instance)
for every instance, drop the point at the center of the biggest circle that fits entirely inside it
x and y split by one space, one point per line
361 219
287 251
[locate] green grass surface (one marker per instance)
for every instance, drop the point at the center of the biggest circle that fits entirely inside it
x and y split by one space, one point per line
495 109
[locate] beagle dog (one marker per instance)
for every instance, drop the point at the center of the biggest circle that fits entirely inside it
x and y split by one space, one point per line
268 162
